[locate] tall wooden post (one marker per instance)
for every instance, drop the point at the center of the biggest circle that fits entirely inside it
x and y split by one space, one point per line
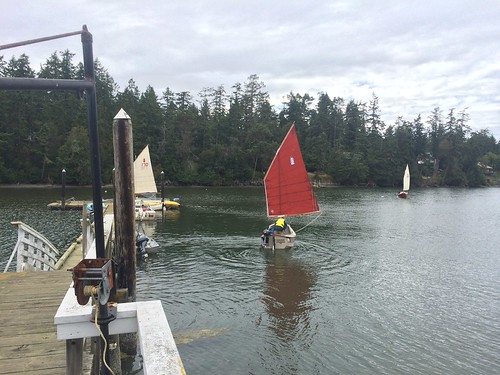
124 207
124 213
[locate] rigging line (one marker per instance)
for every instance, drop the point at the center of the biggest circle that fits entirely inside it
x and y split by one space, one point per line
312 221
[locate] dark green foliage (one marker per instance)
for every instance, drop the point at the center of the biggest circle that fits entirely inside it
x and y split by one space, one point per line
230 138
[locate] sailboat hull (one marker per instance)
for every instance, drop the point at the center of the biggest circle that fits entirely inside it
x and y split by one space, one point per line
403 195
279 240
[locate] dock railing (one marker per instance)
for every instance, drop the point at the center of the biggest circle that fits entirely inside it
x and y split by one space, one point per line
147 319
34 251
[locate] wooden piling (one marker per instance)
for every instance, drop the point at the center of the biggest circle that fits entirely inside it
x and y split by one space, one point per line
124 209
125 203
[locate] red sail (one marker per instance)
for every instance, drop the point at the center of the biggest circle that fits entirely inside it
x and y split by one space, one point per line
288 190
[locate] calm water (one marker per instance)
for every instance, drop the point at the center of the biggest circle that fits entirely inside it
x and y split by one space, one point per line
376 285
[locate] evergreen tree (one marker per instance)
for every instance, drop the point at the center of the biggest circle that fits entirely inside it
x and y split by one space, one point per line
228 139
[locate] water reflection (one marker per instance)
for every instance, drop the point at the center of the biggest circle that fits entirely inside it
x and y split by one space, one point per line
147 227
170 215
287 299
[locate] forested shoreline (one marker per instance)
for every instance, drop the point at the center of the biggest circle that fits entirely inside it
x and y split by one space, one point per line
230 137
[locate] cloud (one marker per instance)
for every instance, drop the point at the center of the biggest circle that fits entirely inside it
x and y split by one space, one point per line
414 55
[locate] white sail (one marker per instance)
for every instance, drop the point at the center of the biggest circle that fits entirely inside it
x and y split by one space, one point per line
144 179
406 179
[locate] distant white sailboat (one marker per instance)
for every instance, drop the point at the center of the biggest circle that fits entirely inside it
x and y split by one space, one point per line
406 184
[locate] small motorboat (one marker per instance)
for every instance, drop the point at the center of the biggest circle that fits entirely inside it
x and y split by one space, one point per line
145 245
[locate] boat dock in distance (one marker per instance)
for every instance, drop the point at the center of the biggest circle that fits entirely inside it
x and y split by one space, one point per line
69 204
72 204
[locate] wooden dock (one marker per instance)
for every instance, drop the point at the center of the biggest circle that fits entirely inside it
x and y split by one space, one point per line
28 303
41 323
68 205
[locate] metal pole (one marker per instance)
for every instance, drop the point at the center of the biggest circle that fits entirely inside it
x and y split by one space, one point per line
38 40
18 83
103 321
162 189
88 63
63 189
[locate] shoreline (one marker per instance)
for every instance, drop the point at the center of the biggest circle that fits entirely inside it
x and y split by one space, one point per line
47 186
326 185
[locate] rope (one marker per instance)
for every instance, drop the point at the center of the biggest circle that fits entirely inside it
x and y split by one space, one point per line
312 221
103 339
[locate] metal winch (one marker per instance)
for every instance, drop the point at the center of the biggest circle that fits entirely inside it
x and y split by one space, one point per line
93 277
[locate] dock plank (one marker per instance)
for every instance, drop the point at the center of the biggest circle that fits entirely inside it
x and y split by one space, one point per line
29 301
28 304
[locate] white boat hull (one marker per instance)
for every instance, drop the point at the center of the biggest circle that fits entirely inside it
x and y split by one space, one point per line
145 215
156 204
280 240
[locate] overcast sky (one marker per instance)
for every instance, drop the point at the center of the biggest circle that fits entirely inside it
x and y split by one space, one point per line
414 55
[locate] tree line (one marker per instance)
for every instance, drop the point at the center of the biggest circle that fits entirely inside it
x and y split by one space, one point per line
230 137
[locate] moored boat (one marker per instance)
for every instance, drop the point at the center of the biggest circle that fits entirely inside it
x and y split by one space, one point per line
145 184
145 246
143 212
157 205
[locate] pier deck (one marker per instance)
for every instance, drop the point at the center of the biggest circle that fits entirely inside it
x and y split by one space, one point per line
69 205
28 303
39 318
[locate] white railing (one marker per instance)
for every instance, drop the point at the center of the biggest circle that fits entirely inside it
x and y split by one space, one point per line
34 251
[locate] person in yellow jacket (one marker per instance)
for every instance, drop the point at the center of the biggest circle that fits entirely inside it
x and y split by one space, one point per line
280 224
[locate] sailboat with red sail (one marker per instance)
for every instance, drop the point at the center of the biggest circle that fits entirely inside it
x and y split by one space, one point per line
288 191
